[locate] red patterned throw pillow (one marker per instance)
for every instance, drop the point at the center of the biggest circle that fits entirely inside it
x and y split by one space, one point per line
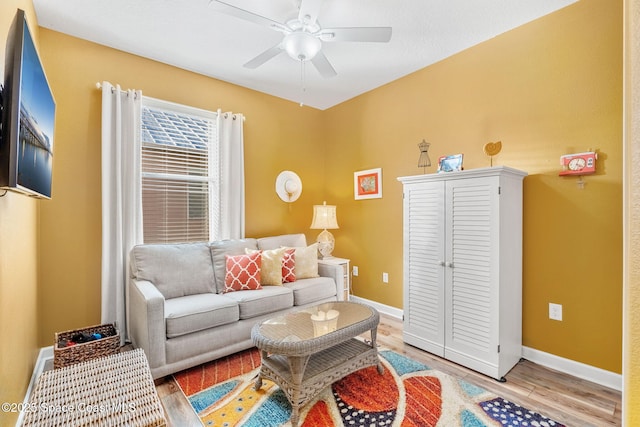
242 272
289 266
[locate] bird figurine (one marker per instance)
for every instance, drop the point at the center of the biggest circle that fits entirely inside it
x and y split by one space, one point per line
491 149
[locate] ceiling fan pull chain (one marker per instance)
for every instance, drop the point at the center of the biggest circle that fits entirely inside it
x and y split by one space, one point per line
302 82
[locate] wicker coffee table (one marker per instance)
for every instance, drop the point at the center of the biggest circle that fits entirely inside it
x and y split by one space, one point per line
305 351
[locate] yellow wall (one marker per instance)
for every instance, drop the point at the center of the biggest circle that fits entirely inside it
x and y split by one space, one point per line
551 87
18 264
631 328
279 135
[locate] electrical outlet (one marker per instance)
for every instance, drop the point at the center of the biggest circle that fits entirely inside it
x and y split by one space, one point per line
555 311
355 270
385 277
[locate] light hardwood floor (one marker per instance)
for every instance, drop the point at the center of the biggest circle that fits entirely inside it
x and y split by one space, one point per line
567 399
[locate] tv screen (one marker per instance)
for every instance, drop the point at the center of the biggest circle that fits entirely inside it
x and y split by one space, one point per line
26 145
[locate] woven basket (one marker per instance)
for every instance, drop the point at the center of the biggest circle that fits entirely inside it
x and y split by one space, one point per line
65 356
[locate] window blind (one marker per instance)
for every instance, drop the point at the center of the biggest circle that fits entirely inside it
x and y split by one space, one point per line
178 175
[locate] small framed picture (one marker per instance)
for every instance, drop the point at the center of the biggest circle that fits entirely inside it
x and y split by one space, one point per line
450 163
367 184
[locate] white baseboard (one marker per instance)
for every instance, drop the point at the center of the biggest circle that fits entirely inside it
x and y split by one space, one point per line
382 308
45 354
571 367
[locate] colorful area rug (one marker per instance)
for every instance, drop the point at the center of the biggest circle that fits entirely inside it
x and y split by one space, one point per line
409 393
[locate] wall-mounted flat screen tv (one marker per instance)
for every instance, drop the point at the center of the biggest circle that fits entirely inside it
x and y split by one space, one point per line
28 116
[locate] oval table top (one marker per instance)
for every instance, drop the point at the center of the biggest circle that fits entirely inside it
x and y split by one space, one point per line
313 329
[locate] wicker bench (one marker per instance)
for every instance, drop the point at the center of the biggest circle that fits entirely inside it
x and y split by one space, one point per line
111 390
304 359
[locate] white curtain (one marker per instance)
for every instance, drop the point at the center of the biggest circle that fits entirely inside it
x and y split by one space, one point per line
231 161
121 197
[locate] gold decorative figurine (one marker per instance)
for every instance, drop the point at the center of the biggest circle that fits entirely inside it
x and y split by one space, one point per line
491 149
424 161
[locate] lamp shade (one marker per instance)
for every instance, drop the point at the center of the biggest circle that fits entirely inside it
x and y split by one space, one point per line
324 217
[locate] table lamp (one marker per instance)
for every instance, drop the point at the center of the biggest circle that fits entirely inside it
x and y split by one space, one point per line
324 218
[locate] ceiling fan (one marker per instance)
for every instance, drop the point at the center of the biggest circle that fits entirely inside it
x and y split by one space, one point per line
303 35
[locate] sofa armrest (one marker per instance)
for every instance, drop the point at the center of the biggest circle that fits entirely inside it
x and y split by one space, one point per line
146 320
335 272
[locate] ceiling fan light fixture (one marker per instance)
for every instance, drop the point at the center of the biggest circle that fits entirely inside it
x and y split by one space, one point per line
301 46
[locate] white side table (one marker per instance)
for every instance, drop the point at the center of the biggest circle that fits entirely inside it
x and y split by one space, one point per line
344 288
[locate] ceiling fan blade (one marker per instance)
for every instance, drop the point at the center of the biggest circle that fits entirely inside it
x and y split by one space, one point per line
263 57
323 65
232 10
309 10
356 34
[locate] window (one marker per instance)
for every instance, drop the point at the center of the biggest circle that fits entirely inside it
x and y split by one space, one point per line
179 172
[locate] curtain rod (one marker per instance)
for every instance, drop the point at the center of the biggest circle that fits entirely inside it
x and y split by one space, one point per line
99 86
113 88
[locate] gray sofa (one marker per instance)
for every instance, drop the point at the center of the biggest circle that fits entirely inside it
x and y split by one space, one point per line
179 314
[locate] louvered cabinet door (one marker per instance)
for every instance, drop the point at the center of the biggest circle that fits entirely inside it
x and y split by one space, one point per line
471 279
463 266
423 272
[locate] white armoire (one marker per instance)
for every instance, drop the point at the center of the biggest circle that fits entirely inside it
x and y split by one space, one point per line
463 266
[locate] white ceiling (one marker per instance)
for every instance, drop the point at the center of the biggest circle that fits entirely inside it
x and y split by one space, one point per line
196 36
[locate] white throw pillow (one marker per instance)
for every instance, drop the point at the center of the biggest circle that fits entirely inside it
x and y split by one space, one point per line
271 270
306 261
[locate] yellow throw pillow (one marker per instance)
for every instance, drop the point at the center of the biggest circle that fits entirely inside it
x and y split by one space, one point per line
271 269
306 261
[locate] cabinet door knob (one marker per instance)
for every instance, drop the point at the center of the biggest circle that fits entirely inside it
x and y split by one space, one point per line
449 264
442 263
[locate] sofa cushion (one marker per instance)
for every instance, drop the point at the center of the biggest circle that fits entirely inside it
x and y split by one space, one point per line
263 301
306 261
275 242
193 313
306 291
289 266
272 265
243 272
176 270
221 248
